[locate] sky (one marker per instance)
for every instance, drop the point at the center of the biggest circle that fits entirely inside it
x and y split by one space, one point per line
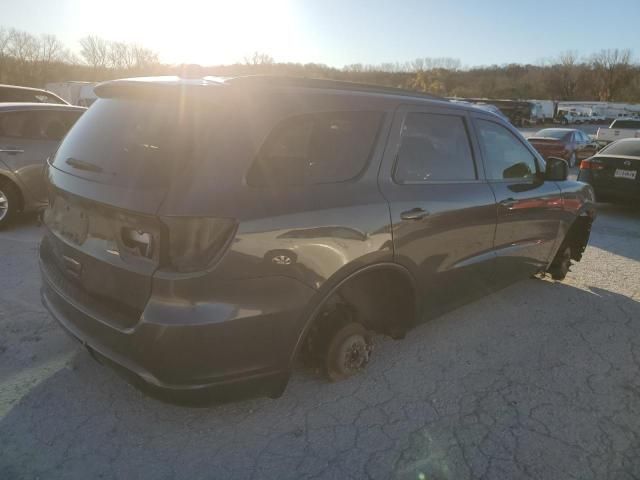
338 33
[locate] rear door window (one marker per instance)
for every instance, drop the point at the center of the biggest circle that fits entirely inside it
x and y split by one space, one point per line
54 125
434 147
506 157
316 148
20 125
37 124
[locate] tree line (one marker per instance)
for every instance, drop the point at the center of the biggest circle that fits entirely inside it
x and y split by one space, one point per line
607 75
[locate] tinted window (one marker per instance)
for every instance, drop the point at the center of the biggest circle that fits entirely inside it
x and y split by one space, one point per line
139 143
316 148
18 124
37 125
434 148
630 148
631 124
55 125
505 155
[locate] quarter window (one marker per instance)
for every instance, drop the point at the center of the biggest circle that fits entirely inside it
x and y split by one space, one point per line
316 148
505 156
434 147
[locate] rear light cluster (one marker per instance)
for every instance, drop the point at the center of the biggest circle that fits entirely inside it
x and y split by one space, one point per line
591 164
194 243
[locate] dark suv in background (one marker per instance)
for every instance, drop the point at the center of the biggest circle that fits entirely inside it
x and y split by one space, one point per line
205 233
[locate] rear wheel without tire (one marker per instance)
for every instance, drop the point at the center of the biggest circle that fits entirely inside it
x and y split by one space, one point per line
349 351
9 202
561 264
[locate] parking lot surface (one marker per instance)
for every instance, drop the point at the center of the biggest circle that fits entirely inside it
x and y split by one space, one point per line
540 380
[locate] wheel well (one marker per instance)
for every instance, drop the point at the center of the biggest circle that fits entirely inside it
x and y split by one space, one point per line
5 179
382 299
578 236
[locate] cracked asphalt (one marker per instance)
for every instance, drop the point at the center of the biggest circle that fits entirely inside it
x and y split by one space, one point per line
540 380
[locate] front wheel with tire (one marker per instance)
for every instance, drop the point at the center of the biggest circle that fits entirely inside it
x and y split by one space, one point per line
9 202
561 264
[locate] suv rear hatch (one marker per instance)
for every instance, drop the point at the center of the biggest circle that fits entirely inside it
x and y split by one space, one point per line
107 183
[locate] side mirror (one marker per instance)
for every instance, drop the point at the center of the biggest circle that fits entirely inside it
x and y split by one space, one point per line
557 169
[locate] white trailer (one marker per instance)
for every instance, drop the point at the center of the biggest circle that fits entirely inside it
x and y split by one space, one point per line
74 92
544 109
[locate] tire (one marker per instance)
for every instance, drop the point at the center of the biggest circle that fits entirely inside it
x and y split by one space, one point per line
349 351
572 160
9 202
561 265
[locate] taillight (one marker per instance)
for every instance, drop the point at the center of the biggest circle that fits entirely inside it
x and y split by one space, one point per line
591 164
195 242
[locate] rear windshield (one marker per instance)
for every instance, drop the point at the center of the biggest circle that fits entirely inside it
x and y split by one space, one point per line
551 133
131 143
630 148
631 124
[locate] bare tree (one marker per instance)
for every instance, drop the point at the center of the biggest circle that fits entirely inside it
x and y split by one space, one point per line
94 51
51 49
258 58
22 46
143 57
120 56
563 75
612 70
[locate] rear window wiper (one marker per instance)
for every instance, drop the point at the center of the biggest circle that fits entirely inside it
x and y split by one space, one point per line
82 165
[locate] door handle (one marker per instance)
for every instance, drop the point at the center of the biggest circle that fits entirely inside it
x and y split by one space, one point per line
508 203
414 214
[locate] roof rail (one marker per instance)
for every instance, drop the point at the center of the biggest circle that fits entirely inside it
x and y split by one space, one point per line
284 81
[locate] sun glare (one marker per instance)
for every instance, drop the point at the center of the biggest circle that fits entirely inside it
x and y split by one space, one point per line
205 32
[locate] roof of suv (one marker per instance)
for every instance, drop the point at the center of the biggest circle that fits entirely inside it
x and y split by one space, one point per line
31 89
103 89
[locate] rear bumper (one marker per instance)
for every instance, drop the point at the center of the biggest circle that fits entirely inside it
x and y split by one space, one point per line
210 347
605 190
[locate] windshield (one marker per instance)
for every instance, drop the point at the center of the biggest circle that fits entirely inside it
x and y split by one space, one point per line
552 133
628 148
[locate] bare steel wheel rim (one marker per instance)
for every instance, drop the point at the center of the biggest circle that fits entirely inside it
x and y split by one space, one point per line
4 205
354 354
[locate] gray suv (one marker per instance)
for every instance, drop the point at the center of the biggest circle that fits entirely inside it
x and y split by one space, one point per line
203 234
29 134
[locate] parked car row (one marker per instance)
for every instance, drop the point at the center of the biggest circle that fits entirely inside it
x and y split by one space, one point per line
570 144
611 171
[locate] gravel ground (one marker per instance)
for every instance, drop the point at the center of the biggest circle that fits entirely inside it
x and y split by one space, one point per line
540 380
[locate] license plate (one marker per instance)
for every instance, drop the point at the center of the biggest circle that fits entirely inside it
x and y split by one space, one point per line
630 174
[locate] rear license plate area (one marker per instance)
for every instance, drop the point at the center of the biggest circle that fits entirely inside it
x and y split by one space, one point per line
628 174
